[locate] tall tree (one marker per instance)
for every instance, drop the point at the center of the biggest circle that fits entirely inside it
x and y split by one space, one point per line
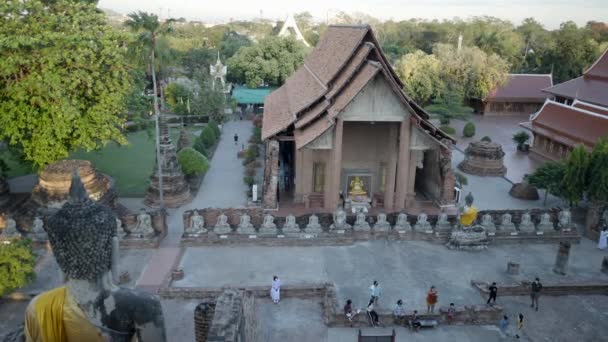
421 74
574 51
597 182
63 78
148 30
17 262
575 174
549 177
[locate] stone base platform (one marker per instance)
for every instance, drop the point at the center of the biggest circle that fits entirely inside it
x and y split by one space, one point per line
137 243
549 289
349 237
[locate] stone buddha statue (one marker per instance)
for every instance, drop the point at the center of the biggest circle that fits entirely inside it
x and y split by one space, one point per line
545 224
382 225
402 223
443 223
313 226
245 226
221 226
468 212
10 230
89 306
356 187
340 220
361 223
197 224
290 225
487 222
422 223
143 228
565 220
506 225
526 225
268 226
38 232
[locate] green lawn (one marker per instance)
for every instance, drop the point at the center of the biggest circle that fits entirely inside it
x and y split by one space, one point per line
129 165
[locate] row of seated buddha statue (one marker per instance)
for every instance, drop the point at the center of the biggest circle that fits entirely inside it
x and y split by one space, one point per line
196 226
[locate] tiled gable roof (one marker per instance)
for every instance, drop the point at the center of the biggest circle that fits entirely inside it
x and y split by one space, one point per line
522 87
344 61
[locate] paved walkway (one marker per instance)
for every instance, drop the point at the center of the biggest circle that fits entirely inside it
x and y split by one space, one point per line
222 187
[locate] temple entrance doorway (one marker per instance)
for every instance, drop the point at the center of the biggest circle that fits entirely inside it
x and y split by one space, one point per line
286 170
428 178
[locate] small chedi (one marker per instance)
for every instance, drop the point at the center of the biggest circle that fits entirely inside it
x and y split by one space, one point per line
468 235
175 188
483 158
89 306
52 190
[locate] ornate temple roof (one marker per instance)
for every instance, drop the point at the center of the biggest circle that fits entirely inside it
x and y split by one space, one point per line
569 125
522 88
592 87
346 58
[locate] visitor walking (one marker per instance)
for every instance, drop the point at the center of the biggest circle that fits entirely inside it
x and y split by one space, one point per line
493 292
236 139
602 243
275 290
375 292
535 292
504 325
520 325
431 299
399 313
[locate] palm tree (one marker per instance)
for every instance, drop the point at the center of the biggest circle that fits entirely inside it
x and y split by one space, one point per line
148 30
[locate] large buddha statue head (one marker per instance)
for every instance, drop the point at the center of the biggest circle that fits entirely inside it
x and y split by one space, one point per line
90 307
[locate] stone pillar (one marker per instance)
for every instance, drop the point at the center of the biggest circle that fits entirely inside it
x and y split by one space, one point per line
336 167
391 168
403 170
271 174
605 265
561 261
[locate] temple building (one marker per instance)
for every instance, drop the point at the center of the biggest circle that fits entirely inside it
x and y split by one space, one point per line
578 114
342 131
592 87
558 128
521 94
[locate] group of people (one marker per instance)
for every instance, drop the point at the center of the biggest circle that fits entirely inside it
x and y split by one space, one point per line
399 313
432 297
535 289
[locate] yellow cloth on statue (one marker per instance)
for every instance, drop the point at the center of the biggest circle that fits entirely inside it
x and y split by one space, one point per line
468 216
54 317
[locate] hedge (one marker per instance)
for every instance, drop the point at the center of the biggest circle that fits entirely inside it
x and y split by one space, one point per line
469 129
192 161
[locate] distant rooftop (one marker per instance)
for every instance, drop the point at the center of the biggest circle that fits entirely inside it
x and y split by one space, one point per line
245 95
522 87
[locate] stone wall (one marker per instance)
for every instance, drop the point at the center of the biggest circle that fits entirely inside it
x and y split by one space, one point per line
228 318
549 289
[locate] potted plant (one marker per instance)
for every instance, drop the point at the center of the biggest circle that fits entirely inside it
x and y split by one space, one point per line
521 138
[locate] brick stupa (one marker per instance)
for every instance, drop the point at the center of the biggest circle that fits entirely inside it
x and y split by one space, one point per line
175 188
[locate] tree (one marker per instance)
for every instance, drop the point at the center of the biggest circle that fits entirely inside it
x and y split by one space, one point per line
471 69
597 182
148 29
574 51
269 62
17 262
520 138
469 129
63 78
421 75
575 175
549 177
192 162
232 43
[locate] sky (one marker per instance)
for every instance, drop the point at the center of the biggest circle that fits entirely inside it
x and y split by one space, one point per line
549 12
